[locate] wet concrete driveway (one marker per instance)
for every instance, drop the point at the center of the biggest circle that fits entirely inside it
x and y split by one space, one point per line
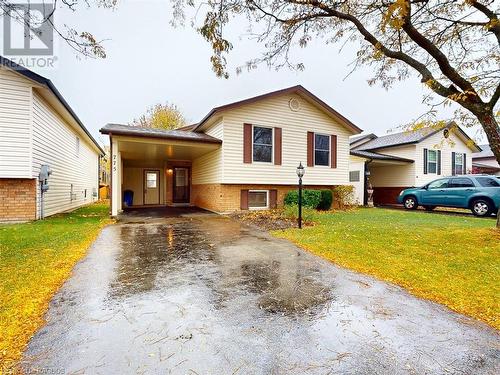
201 294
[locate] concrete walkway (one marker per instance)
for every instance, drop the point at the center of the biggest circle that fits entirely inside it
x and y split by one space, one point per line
201 294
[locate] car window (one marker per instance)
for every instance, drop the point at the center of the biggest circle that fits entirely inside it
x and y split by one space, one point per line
461 182
488 181
438 184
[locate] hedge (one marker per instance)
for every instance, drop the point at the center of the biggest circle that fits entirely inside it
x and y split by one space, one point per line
317 199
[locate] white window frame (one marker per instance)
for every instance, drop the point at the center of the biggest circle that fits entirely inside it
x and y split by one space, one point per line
429 162
258 208
462 172
329 150
272 144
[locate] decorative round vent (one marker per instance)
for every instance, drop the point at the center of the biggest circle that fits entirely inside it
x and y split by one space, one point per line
446 133
294 104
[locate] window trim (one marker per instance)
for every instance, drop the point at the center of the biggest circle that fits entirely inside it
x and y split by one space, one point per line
329 150
429 162
258 191
272 144
463 156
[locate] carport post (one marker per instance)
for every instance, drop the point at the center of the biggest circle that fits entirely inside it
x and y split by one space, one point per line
115 178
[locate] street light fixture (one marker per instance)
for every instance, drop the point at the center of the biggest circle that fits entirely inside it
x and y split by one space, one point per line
300 174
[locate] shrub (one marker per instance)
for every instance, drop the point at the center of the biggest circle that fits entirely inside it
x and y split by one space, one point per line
310 198
291 211
326 200
344 195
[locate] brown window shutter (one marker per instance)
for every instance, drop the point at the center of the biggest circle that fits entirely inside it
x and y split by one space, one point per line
244 200
310 149
273 198
277 146
333 151
247 143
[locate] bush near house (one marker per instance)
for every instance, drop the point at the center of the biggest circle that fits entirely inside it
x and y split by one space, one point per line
35 259
317 199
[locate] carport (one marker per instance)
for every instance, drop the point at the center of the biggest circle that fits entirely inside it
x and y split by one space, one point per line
155 166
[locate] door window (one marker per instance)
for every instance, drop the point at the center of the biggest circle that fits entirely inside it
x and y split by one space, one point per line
151 180
461 182
438 184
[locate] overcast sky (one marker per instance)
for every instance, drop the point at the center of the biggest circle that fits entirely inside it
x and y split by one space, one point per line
148 62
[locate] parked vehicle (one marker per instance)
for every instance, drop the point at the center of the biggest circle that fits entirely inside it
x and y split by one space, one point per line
479 193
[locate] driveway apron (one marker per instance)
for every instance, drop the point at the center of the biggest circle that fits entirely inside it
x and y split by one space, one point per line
202 294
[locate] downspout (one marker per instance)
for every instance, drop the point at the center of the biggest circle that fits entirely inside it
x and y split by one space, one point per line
365 187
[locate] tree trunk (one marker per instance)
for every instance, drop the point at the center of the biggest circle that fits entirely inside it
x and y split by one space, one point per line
492 130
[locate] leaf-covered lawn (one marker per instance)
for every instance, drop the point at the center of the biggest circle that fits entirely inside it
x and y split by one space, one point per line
453 260
35 259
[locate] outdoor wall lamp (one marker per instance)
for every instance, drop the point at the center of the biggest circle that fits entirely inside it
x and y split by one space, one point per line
300 174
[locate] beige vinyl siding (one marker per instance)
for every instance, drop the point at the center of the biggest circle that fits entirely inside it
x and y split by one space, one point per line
15 119
358 164
437 142
54 143
275 112
393 175
207 169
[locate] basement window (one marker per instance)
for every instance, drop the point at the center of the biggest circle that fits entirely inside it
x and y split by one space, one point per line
258 199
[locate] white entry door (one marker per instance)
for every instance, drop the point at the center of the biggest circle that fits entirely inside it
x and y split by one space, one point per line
151 187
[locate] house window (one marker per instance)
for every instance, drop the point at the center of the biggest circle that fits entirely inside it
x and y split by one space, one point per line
459 163
262 144
258 199
321 149
77 146
431 161
354 176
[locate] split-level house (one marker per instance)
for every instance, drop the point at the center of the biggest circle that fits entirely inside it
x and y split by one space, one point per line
485 161
396 161
38 128
240 156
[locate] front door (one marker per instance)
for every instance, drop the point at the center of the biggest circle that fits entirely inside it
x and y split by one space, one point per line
181 185
151 187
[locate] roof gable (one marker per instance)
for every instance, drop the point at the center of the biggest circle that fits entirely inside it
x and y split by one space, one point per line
299 90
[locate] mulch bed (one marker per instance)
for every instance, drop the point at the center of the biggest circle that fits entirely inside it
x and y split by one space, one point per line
267 220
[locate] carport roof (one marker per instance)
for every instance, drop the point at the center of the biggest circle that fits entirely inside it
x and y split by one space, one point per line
378 156
137 131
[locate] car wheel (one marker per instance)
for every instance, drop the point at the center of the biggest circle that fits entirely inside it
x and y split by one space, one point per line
481 208
429 208
410 203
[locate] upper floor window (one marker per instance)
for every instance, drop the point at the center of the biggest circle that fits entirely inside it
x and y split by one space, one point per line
262 144
321 149
77 146
431 161
459 163
461 182
438 184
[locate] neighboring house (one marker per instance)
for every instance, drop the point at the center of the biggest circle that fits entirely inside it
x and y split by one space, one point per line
485 161
39 128
400 160
241 155
104 175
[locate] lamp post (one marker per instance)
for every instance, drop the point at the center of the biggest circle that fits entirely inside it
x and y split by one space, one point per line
300 174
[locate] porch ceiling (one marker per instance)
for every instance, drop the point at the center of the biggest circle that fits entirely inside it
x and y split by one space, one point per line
152 151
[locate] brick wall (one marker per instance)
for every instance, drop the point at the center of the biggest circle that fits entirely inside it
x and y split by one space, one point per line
226 197
17 199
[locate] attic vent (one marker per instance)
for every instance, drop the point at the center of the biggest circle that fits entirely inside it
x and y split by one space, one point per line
294 104
446 133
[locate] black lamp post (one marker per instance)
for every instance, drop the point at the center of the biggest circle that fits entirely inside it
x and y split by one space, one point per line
300 174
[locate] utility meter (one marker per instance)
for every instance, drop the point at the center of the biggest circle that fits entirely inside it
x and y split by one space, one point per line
45 172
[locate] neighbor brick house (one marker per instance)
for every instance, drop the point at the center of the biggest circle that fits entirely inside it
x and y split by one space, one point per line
241 155
38 127
485 161
401 160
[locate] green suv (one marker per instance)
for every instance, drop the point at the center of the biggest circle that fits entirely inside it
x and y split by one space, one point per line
479 193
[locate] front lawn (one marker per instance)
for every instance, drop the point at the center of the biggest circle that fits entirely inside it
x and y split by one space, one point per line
35 259
453 260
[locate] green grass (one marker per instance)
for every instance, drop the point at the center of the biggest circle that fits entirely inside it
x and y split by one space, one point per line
453 260
35 259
